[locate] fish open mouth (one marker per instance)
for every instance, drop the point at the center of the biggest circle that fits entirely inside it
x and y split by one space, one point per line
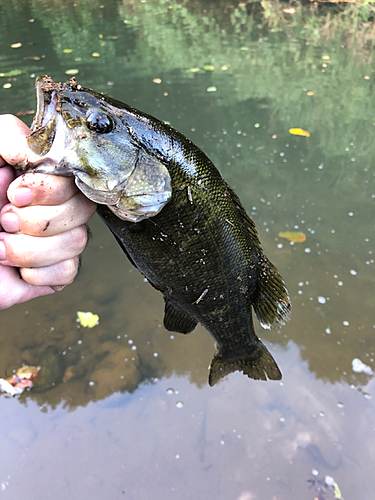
43 128
46 102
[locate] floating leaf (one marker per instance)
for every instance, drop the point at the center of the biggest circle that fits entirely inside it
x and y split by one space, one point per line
73 71
157 80
299 131
193 70
16 45
25 112
211 89
95 54
67 51
13 72
7 85
88 319
209 67
294 236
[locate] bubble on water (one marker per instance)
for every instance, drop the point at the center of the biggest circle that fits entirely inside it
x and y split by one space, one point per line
222 442
307 250
130 341
179 404
340 283
351 214
134 347
321 414
156 354
322 300
282 419
177 457
170 390
328 330
280 245
314 472
345 323
353 272
340 405
91 383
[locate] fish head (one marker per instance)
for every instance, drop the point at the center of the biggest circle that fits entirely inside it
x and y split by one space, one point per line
79 132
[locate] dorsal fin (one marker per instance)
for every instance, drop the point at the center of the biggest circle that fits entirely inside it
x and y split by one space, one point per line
272 304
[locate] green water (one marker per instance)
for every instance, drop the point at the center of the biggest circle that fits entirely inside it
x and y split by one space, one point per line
234 79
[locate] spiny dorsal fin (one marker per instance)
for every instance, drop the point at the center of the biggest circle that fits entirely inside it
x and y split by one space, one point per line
258 365
272 304
177 320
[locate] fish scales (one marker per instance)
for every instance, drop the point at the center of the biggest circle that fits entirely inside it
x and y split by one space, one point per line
173 215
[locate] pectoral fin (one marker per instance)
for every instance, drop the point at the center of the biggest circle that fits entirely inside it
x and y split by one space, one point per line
258 365
272 304
177 320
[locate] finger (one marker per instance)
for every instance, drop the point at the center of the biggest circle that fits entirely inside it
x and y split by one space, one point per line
13 144
41 189
6 177
29 251
14 290
48 220
62 273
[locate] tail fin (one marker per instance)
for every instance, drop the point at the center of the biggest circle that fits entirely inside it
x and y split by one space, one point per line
258 365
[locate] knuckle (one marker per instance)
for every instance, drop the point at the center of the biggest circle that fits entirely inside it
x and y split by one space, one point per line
79 238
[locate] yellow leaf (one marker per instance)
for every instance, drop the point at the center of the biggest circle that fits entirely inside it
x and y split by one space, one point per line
95 54
88 319
28 372
67 51
294 236
299 131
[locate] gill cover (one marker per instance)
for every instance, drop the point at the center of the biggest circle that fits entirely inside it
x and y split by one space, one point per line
79 132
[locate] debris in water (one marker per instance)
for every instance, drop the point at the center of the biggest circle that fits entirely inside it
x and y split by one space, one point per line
299 131
294 236
88 319
21 380
359 367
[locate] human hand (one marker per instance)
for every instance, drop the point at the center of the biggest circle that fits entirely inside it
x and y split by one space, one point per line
41 224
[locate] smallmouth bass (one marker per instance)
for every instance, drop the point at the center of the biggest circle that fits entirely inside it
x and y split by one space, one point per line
172 213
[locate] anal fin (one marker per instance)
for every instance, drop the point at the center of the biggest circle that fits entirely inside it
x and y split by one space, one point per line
258 365
177 320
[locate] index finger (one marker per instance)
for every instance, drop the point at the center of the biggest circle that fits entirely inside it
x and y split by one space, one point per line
45 189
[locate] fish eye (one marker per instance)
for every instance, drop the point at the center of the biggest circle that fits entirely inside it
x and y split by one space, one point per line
99 122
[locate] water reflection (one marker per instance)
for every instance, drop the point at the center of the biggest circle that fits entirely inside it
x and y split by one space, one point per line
272 72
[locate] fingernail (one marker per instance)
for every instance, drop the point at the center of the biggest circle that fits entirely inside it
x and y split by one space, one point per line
22 196
3 254
9 222
58 288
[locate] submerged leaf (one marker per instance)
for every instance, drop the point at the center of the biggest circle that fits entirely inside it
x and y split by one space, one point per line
299 131
88 319
294 236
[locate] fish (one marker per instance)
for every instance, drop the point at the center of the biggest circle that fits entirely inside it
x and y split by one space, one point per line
172 213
